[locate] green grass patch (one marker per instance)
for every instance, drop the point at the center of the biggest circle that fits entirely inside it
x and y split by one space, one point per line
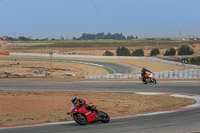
102 44
109 70
95 41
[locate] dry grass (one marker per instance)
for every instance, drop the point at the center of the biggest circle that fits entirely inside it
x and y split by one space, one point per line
27 68
31 107
93 48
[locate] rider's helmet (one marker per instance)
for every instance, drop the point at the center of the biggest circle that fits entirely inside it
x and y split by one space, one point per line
74 99
144 68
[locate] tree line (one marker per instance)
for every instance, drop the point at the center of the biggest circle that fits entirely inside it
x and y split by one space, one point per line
123 51
84 36
103 36
20 38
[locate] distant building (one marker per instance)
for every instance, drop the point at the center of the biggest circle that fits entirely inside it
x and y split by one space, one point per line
4 38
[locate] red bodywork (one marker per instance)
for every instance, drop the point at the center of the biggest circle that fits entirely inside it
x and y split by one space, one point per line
89 115
147 76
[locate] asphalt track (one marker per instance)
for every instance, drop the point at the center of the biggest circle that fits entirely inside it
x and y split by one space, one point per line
183 121
117 67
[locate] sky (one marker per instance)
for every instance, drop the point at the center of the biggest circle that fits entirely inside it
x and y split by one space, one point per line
71 18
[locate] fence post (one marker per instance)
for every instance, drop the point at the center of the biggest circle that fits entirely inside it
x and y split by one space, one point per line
173 74
198 74
168 74
178 74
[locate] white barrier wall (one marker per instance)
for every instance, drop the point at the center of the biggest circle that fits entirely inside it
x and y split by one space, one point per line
177 74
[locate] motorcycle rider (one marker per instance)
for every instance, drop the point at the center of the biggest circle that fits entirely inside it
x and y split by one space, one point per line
144 73
80 102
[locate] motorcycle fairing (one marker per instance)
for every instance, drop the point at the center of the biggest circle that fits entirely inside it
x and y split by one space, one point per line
89 115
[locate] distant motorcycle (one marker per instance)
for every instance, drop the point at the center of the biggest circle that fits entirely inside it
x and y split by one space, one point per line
83 116
149 78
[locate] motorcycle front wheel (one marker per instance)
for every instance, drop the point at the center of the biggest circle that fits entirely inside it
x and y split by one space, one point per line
104 117
80 119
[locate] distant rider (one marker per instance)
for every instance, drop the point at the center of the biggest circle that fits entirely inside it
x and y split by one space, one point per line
80 102
144 73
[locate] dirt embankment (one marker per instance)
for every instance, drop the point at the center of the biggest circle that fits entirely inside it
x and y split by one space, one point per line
33 107
10 68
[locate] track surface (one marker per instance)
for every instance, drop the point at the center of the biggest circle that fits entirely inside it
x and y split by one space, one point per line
177 122
117 67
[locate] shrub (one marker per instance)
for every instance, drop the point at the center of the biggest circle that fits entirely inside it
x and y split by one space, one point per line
122 51
195 60
170 52
108 53
155 52
138 52
185 50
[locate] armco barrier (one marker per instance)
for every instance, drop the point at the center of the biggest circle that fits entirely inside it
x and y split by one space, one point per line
177 74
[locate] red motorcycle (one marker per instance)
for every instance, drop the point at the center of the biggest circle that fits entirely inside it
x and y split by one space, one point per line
83 116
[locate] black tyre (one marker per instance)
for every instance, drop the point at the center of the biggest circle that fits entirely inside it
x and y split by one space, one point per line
154 81
144 81
104 117
80 119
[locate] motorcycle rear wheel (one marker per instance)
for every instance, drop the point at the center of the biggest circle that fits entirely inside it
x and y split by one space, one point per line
144 81
154 81
80 119
104 117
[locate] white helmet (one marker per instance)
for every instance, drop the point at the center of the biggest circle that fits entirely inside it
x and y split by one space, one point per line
74 99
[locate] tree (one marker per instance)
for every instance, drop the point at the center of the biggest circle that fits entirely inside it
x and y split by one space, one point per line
9 38
170 52
185 50
155 52
22 38
122 51
138 52
195 60
101 35
130 37
108 53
